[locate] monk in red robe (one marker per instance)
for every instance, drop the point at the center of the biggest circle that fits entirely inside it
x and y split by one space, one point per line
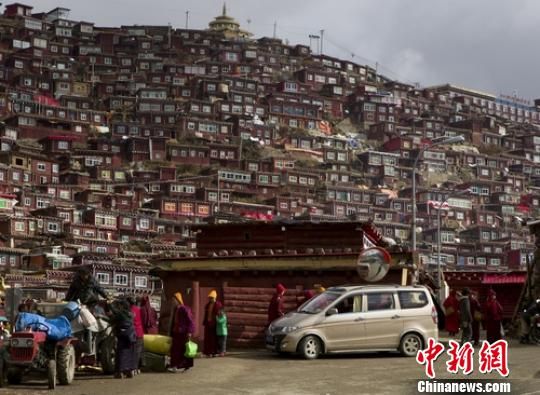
210 332
182 328
493 314
451 308
276 309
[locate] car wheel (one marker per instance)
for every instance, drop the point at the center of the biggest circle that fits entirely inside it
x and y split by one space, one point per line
410 344
310 347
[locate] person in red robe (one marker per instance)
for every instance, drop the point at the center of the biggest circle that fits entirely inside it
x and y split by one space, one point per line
183 327
210 348
308 294
148 317
276 309
451 308
493 314
476 312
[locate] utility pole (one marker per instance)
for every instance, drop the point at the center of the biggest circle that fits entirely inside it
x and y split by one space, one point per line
275 28
187 19
322 38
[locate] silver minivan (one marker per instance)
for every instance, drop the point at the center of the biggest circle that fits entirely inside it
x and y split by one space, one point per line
357 318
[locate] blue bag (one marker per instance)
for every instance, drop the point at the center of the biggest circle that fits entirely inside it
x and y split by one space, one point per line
30 320
71 311
59 328
56 328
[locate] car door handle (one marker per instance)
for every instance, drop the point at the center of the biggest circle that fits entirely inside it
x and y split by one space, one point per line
395 316
359 319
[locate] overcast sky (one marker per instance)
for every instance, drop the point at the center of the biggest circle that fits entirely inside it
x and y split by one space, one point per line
489 45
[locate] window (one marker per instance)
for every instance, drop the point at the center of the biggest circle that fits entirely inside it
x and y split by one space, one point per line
351 304
141 282
126 221
120 279
19 226
412 299
102 278
495 261
186 208
169 206
144 223
52 227
380 301
481 261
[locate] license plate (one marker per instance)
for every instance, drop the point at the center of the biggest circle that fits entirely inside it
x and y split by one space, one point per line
269 339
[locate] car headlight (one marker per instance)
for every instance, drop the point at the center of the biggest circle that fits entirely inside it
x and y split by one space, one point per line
289 329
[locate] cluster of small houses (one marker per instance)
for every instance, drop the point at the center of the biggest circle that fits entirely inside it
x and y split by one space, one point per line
119 146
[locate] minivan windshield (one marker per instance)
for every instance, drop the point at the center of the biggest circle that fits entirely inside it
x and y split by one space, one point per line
319 303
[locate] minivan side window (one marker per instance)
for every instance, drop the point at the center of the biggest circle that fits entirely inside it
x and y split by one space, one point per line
412 299
380 301
351 304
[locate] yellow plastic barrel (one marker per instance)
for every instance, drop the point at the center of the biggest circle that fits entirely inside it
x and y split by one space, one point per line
158 344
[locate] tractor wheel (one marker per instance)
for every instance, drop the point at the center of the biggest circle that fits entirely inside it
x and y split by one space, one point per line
51 374
107 354
14 376
65 362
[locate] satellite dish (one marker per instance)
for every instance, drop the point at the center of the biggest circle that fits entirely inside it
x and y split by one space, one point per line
373 264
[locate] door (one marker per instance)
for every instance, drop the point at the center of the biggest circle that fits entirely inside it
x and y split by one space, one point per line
382 320
344 330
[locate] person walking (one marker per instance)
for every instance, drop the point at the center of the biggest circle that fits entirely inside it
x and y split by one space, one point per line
493 313
451 310
307 295
465 316
276 308
476 312
139 332
183 327
148 316
210 332
222 332
126 339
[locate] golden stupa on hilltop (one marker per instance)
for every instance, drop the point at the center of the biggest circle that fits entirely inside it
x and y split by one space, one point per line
227 26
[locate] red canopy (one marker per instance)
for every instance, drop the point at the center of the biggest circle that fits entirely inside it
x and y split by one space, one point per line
513 278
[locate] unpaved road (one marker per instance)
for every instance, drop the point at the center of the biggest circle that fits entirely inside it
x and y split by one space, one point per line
260 372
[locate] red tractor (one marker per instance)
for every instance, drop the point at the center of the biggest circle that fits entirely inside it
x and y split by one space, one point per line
30 352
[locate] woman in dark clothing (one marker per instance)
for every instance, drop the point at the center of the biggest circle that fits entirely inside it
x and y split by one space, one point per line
183 327
126 339
148 316
476 311
211 310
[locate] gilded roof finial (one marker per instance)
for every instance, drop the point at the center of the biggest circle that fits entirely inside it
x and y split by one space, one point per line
224 9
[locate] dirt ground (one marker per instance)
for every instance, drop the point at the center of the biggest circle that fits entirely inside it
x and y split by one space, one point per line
261 372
